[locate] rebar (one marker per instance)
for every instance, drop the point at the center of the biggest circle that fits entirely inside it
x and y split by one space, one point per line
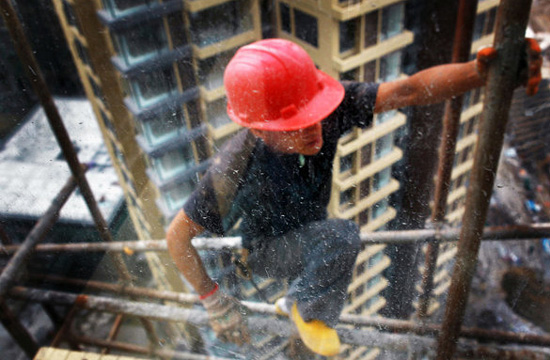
511 23
461 50
37 234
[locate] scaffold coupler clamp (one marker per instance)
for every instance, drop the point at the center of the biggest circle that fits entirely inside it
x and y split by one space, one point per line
437 227
240 259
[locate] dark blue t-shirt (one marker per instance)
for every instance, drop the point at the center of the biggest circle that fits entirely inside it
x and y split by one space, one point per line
272 193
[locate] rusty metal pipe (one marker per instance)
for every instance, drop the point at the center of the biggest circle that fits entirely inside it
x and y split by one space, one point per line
509 41
136 349
113 333
379 323
65 328
120 289
469 352
37 234
451 123
493 233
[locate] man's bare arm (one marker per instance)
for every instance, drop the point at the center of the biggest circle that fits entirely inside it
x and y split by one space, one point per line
429 86
179 235
442 82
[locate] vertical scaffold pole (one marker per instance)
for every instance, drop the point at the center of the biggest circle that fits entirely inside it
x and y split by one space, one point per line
461 51
511 23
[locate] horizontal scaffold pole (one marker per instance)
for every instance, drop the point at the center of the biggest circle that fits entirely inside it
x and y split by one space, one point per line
401 329
136 349
496 233
37 234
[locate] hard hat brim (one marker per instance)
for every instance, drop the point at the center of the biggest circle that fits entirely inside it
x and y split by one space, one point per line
327 99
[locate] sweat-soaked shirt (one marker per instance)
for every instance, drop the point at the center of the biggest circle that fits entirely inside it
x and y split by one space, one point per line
272 192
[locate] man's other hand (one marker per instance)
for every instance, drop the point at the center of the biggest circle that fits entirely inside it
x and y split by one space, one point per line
534 64
530 65
226 317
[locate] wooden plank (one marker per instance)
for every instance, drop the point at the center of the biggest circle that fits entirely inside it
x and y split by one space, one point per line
109 357
52 354
83 356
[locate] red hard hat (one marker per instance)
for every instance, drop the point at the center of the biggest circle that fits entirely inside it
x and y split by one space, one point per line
273 85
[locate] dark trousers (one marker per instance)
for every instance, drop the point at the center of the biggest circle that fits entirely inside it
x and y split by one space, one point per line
318 258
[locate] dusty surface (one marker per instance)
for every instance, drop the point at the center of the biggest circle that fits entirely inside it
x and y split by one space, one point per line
487 306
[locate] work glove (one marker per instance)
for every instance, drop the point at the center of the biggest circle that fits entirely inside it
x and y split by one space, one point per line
226 317
529 73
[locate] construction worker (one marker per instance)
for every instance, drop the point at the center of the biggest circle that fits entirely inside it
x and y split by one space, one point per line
275 177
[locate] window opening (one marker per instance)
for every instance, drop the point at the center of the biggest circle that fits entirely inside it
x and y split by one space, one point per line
123 7
164 127
153 87
348 35
216 112
383 146
173 162
211 69
220 22
285 17
141 43
392 21
390 67
306 27
381 179
371 29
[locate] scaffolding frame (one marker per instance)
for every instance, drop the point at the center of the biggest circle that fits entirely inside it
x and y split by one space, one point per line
369 331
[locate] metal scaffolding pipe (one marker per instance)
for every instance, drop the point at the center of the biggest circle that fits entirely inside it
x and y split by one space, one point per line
37 234
379 323
502 77
500 233
136 349
396 342
451 119
114 332
64 329
491 233
120 289
406 326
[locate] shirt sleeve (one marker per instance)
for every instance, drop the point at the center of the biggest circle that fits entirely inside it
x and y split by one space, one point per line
358 105
212 199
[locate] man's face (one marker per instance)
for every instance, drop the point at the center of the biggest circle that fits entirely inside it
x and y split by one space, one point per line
306 141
